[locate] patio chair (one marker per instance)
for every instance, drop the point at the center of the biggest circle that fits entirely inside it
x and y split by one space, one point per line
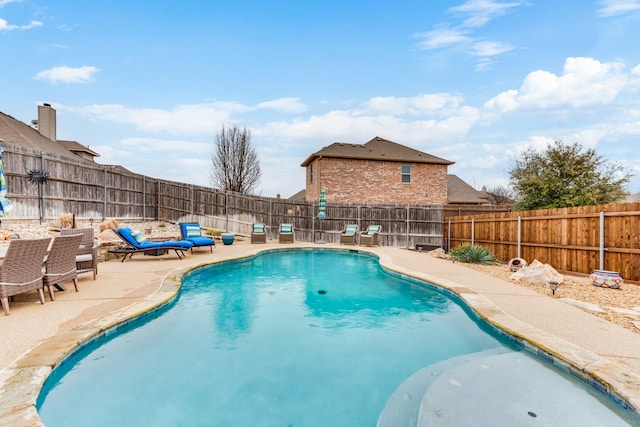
21 270
192 232
60 265
87 253
286 233
348 234
370 236
136 242
258 233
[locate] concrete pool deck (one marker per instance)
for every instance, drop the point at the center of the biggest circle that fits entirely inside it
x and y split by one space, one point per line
35 338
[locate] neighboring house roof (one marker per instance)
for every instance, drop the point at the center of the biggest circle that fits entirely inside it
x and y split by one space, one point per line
75 146
632 198
376 149
300 195
16 132
459 191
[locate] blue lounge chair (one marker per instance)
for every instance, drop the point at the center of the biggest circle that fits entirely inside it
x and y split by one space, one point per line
192 232
137 242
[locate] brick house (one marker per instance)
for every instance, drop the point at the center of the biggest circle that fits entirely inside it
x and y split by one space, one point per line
380 171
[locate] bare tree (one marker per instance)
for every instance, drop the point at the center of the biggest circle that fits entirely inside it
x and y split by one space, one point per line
234 163
501 196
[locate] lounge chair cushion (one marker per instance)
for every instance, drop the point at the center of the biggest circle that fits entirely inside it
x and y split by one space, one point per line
373 229
350 229
192 231
139 236
258 228
285 228
127 233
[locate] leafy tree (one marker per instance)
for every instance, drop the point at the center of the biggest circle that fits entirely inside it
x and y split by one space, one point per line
565 176
234 163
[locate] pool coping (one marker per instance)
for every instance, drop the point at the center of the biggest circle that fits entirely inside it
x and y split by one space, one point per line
22 381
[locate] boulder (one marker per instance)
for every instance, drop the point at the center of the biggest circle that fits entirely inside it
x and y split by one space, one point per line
537 272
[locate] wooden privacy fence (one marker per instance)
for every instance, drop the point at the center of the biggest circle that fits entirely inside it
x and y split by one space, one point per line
95 192
580 239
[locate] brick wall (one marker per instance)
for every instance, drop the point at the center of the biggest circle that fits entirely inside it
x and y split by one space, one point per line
372 181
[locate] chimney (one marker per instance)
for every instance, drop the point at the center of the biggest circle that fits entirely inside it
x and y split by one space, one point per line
47 121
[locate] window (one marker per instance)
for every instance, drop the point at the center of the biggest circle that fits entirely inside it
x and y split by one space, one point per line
311 172
406 173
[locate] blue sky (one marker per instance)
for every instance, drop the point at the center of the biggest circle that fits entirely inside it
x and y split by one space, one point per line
148 85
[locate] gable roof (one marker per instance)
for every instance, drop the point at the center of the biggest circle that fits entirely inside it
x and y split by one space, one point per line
376 149
16 132
75 146
459 191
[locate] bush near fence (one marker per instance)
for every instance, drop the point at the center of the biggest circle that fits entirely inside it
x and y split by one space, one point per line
95 192
578 239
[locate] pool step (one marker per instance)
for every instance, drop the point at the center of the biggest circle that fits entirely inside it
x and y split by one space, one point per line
511 389
403 406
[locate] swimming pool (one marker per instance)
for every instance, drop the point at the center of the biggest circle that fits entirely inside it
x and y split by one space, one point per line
293 338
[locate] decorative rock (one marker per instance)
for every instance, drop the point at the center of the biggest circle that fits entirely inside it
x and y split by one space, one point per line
630 313
594 308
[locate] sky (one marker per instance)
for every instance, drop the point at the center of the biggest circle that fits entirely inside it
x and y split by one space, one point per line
149 85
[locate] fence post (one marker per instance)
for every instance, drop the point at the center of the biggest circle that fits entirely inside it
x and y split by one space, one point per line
449 237
519 236
226 209
104 203
408 225
601 240
144 198
192 202
270 218
473 231
313 222
43 187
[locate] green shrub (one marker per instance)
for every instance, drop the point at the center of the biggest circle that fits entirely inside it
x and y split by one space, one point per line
473 255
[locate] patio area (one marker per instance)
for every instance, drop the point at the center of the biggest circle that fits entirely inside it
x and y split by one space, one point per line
36 337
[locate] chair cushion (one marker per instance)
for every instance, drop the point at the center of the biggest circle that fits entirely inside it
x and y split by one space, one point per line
286 228
184 244
350 229
373 229
202 241
258 228
84 258
138 236
192 231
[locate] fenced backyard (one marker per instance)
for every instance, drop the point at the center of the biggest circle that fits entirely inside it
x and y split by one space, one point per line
573 239
94 192
580 239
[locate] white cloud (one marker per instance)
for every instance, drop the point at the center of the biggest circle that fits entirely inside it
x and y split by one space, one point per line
487 48
441 37
617 7
285 105
480 12
6 2
584 82
438 103
66 74
5 26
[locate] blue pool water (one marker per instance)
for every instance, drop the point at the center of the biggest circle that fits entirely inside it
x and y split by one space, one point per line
293 338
